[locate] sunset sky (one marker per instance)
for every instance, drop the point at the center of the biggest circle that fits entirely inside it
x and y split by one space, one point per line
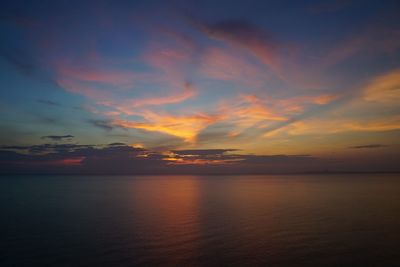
199 86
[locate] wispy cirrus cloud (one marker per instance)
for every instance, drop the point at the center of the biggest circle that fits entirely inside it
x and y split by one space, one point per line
371 42
343 125
342 110
134 106
384 89
232 66
242 34
261 114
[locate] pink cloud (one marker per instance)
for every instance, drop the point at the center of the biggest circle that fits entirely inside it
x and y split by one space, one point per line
242 34
226 65
118 77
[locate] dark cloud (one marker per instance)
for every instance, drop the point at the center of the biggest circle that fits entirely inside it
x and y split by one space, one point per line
46 148
18 58
264 159
239 31
102 124
330 6
117 144
15 147
58 137
368 146
79 159
118 158
243 34
202 152
48 102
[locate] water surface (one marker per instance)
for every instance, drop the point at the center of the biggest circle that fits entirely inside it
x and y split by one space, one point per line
304 220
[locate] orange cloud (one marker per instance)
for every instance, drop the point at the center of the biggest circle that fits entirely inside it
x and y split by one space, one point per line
384 89
132 106
296 105
278 109
332 126
188 92
107 87
185 127
74 161
248 112
323 99
254 109
382 92
185 161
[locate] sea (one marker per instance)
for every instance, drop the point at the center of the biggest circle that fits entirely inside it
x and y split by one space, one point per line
189 220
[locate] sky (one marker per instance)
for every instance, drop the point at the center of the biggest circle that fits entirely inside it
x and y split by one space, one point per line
199 86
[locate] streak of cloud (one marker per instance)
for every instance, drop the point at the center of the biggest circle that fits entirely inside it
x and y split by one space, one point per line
58 137
368 146
243 34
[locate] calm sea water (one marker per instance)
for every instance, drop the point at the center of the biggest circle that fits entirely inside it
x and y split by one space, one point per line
315 220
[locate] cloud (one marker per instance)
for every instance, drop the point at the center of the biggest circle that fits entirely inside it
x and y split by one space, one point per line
48 102
188 92
317 126
231 66
368 146
92 92
118 158
15 147
186 127
342 111
118 78
202 152
384 88
130 107
182 84
372 42
248 112
280 159
58 137
20 59
46 148
69 158
202 157
226 157
330 6
121 91
102 124
267 114
117 144
242 34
